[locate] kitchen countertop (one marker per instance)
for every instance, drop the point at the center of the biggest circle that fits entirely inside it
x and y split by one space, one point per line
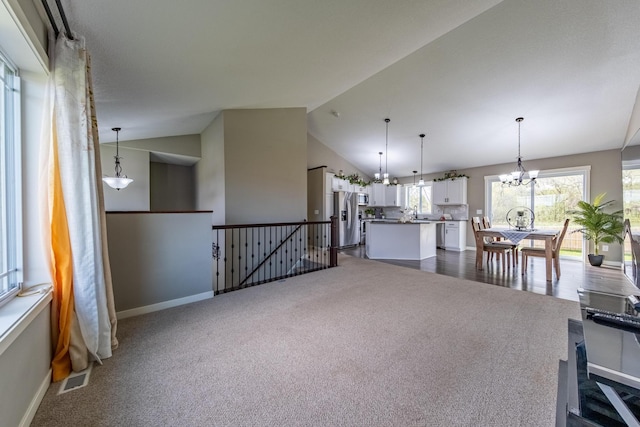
415 221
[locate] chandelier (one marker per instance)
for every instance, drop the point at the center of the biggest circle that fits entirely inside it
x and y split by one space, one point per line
385 177
517 177
119 181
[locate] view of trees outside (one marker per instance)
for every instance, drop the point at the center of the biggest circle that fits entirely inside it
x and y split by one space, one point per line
420 196
550 198
631 197
631 204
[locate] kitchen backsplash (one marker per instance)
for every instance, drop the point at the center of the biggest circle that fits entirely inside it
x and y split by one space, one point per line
458 212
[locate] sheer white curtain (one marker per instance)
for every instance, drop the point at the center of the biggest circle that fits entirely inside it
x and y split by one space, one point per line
84 313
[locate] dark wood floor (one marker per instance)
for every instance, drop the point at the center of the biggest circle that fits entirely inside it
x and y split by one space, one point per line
574 274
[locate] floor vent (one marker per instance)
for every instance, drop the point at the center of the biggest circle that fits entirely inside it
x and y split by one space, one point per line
76 380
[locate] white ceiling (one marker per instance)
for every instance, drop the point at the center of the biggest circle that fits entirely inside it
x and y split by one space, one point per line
460 71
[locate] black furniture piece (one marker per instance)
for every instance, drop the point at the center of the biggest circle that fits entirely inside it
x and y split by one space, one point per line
599 384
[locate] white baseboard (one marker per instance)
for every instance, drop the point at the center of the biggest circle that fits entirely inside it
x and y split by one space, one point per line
163 305
613 264
35 402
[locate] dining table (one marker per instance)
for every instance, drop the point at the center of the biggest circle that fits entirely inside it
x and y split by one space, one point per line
516 236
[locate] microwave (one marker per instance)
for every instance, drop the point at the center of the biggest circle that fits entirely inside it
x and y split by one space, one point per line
363 199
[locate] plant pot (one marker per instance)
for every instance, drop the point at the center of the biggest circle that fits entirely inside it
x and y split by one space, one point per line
595 260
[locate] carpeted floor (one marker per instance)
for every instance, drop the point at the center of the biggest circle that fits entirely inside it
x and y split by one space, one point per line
363 344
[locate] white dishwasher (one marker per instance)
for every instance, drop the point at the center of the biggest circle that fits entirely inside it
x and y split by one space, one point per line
440 235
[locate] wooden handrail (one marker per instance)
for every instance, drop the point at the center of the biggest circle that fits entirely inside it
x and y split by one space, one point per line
271 224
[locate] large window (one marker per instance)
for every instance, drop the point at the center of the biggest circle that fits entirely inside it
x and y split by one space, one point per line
10 184
418 197
631 193
631 203
553 194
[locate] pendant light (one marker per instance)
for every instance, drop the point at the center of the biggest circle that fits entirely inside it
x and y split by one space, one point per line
378 174
516 177
414 178
385 181
421 182
119 181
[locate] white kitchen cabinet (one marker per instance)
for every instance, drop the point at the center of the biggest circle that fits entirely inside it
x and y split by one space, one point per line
392 195
384 195
455 235
377 196
450 192
360 189
338 184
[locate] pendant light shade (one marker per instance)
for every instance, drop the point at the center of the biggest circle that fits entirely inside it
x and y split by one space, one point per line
421 182
119 181
414 178
385 181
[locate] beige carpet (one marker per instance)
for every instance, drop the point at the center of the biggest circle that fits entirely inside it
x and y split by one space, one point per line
363 344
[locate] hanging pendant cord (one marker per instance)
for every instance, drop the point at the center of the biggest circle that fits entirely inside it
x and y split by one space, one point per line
519 120
386 161
421 153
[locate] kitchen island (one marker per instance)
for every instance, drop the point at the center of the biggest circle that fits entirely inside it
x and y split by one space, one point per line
387 239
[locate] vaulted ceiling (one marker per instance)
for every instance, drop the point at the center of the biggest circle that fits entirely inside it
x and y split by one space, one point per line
459 71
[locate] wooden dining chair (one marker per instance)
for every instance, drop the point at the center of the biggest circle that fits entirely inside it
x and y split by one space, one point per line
501 250
540 252
486 223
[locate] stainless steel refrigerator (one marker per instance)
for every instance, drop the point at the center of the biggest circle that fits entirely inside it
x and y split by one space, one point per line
345 207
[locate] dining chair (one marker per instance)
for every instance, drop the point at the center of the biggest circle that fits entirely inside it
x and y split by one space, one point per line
502 251
540 252
486 223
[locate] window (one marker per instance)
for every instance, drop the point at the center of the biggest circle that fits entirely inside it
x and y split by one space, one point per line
631 203
554 193
631 193
419 197
10 183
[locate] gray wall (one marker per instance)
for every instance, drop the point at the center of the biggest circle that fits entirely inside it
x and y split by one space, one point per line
265 153
210 171
185 147
159 257
172 187
253 166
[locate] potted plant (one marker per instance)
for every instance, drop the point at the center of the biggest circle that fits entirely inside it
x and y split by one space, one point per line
369 212
598 225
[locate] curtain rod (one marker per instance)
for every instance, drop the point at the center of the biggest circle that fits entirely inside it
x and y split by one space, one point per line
53 21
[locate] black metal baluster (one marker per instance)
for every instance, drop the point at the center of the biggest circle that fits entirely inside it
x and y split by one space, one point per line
232 254
217 248
246 266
